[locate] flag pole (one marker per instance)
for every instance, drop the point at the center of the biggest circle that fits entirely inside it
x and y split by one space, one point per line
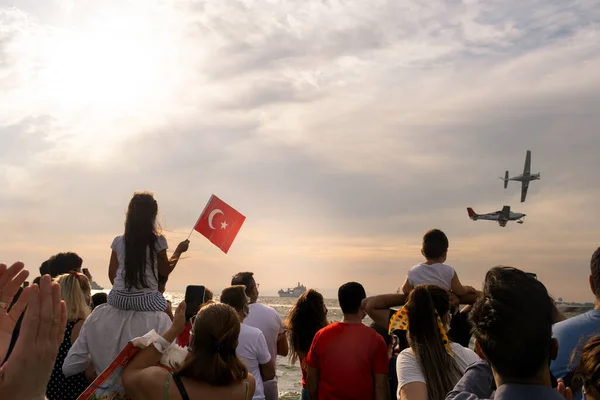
201 214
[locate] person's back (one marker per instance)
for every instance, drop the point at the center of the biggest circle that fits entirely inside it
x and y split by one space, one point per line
106 332
252 350
437 274
268 320
573 332
75 292
345 355
348 360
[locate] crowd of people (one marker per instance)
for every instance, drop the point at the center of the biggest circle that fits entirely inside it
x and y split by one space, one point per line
508 341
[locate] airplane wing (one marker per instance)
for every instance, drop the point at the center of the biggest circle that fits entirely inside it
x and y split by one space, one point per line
524 187
527 169
502 222
505 213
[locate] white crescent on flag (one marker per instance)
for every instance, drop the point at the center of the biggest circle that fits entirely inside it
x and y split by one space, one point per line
212 215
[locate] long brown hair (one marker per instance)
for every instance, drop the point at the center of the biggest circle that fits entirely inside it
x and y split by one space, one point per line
588 371
140 238
306 318
439 368
213 359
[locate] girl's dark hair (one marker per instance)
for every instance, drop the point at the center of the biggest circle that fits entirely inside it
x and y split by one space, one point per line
587 373
213 359
306 318
439 368
140 238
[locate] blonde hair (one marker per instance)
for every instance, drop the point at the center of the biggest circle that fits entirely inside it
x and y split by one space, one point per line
72 290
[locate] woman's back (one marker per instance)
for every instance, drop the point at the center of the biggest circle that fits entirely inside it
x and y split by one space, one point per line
177 388
159 384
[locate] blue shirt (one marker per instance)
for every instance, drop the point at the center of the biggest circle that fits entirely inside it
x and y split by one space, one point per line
571 335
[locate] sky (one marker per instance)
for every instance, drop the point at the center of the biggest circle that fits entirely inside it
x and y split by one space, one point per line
342 130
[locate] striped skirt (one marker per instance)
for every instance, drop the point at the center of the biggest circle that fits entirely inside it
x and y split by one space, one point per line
137 301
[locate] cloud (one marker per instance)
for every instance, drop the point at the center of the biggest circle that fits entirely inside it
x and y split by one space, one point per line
342 130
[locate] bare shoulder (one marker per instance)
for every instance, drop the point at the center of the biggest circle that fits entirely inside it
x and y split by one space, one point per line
150 382
76 330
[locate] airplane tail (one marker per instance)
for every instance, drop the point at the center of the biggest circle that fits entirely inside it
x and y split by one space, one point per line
506 180
471 212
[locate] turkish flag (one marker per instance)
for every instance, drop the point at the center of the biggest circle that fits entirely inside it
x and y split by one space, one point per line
219 223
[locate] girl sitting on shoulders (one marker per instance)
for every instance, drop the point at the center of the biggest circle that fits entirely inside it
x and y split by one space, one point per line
139 266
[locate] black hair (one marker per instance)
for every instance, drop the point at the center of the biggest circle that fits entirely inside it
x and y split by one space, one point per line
45 268
141 234
243 278
350 296
435 244
99 298
62 263
512 323
595 271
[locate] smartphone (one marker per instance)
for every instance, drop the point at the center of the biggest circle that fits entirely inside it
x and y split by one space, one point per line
531 274
86 271
194 297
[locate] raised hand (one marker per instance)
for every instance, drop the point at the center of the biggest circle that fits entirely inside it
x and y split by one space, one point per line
182 247
11 280
27 371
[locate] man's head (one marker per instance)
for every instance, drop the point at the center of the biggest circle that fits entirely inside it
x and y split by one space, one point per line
435 245
512 324
350 296
247 279
235 296
63 263
45 268
595 273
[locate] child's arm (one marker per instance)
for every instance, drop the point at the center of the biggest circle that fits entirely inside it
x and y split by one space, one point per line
458 287
407 287
113 265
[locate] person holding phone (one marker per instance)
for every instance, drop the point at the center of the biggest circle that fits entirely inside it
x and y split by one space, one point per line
195 298
139 259
211 371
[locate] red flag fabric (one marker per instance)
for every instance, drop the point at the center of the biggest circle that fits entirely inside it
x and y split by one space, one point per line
219 223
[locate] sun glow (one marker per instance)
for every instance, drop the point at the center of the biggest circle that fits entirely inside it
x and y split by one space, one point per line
111 78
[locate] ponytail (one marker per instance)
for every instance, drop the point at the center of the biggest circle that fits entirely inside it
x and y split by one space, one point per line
426 305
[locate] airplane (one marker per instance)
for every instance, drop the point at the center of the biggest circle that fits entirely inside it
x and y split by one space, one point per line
502 216
524 179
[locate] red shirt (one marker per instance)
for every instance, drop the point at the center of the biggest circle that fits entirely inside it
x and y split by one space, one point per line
347 356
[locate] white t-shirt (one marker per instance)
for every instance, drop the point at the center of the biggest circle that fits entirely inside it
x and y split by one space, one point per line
269 322
435 274
118 246
252 350
409 370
